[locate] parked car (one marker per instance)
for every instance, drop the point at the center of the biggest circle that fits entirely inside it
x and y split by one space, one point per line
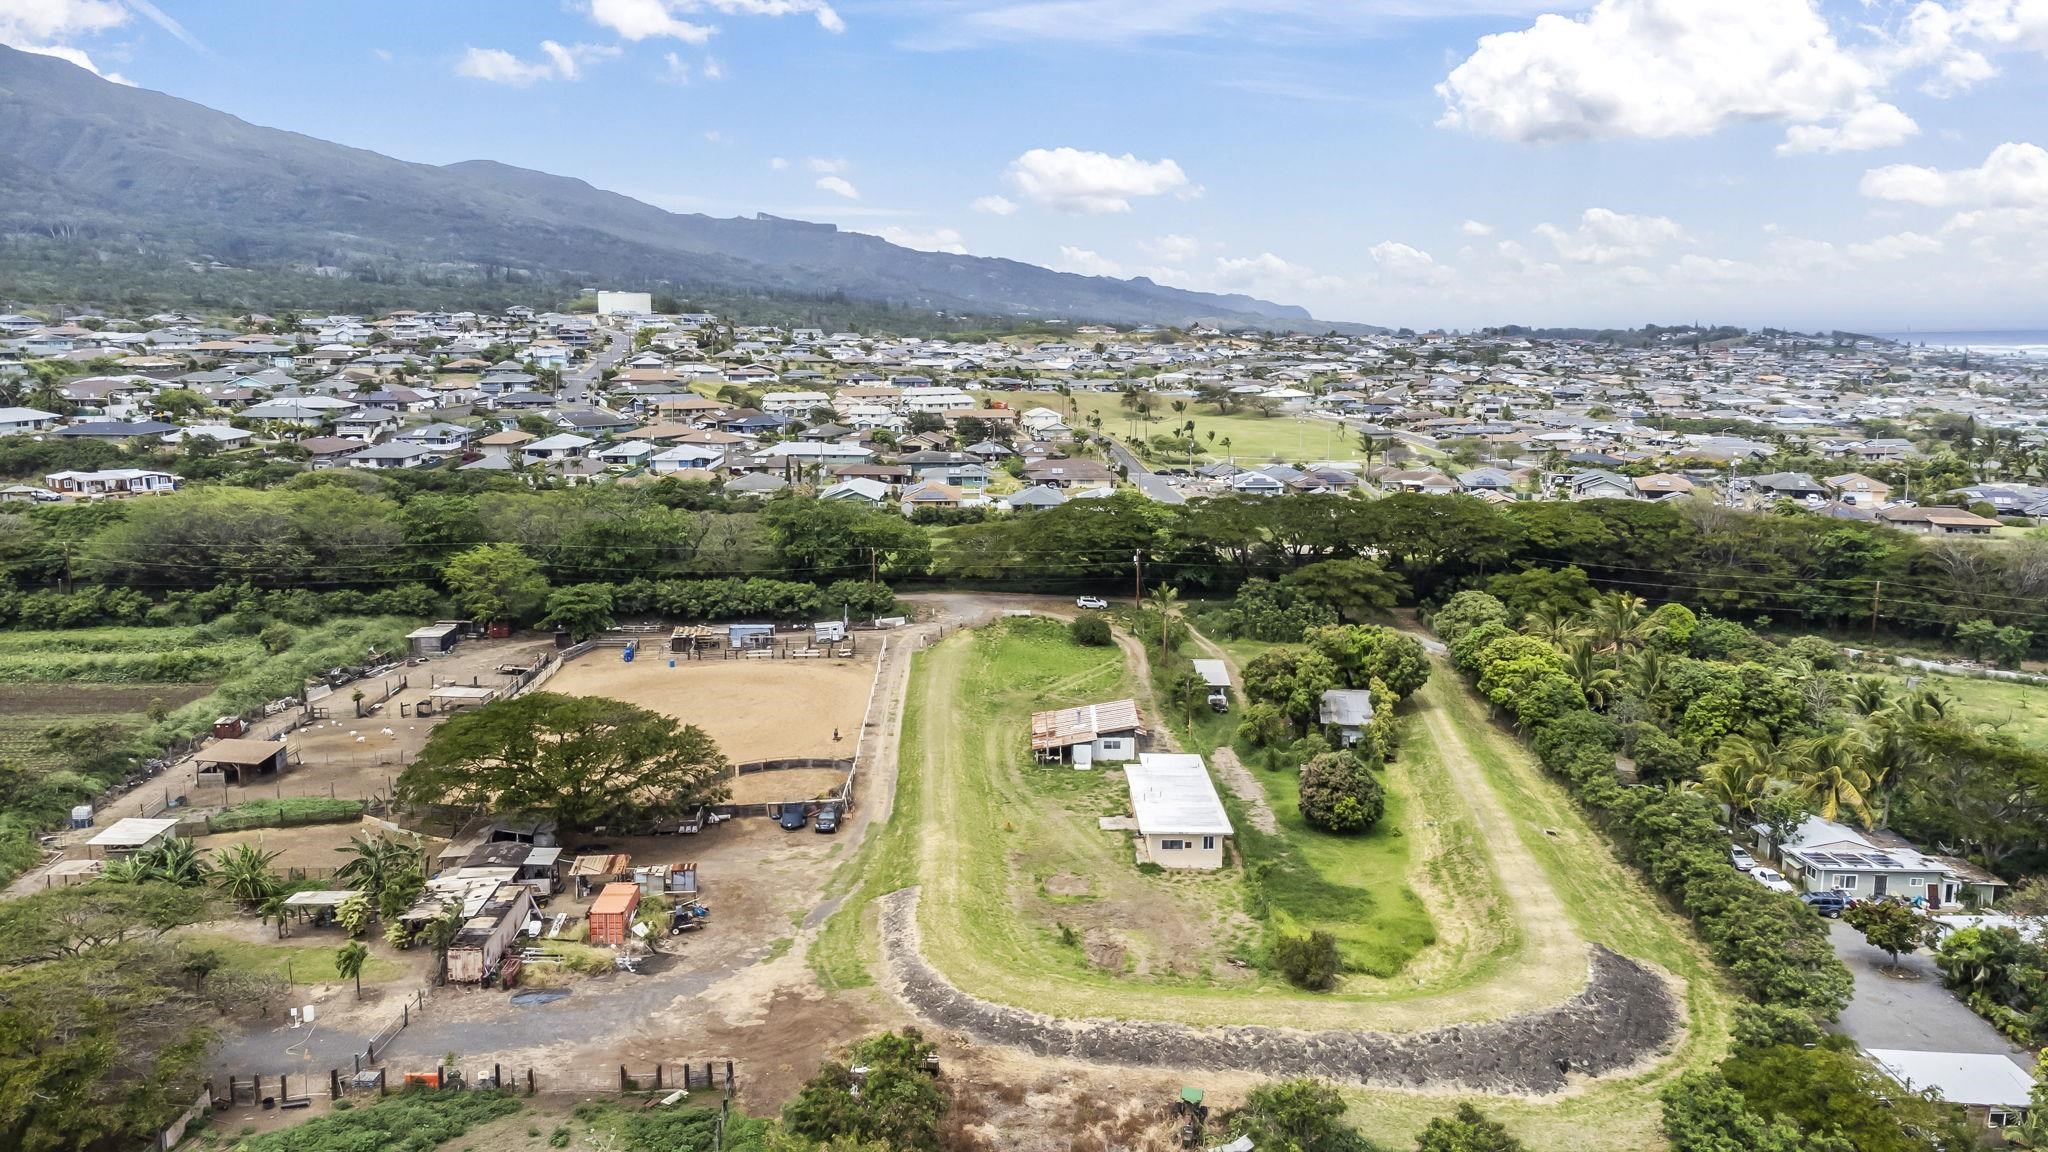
792 818
827 822
1090 602
1740 857
1770 879
1830 903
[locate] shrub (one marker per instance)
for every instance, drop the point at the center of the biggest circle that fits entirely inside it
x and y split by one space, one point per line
1339 794
1307 961
1090 631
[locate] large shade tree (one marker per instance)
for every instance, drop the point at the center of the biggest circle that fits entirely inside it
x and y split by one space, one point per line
582 760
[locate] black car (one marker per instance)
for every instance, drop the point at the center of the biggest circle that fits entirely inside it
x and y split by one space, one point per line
1830 903
792 818
827 822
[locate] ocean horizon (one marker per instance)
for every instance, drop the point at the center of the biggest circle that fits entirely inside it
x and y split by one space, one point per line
2009 341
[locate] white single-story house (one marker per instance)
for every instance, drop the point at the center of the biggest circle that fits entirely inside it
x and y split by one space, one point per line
1181 822
858 490
14 420
631 454
812 452
1993 1091
562 446
112 482
1093 732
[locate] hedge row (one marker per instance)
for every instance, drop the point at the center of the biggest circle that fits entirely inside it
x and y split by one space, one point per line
1776 950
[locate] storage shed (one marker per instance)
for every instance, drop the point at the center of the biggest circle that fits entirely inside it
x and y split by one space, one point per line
236 761
1349 711
611 917
132 834
751 635
436 639
450 697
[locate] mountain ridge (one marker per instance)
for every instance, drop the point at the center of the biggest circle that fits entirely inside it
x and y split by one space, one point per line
131 169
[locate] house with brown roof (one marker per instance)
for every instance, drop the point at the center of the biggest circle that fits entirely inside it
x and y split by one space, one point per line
1938 521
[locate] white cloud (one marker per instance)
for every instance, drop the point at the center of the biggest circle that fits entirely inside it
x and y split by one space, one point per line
1405 262
925 239
43 26
1476 229
1269 275
676 70
1872 126
1898 246
1094 183
1605 236
839 186
2013 176
994 205
638 20
1656 68
713 70
383 54
1173 248
1086 263
827 166
970 23
714 136
158 17
558 62
778 164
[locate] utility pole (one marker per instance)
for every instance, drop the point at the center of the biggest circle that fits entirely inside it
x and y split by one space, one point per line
1138 578
1875 592
874 568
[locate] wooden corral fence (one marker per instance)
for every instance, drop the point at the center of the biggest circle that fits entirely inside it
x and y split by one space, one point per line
753 766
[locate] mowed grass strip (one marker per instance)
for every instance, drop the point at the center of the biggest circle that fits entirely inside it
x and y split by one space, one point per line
1610 904
307 963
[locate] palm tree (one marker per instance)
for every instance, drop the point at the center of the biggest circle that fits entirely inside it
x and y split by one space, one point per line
1646 674
1600 683
373 861
1829 771
1167 597
1369 447
1742 770
244 875
1226 446
1868 695
274 908
348 963
1560 630
1619 621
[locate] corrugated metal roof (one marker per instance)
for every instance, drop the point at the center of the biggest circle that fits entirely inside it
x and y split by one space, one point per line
1214 673
1065 727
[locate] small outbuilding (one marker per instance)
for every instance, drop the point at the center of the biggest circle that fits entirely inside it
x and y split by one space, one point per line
1082 736
1348 711
453 697
437 639
237 761
1994 1092
611 916
1181 822
132 834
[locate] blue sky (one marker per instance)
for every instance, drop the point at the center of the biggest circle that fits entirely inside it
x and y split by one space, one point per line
1865 164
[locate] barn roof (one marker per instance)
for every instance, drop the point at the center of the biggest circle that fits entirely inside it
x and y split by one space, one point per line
242 753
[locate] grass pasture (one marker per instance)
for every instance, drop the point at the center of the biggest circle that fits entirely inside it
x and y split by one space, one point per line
1254 439
2017 709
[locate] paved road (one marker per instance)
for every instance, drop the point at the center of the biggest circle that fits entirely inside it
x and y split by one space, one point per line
1916 1015
1148 482
576 385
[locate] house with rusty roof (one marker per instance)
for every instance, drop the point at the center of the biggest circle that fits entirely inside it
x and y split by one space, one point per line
1091 733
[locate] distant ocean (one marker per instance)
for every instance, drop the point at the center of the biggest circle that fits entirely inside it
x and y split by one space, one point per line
2026 342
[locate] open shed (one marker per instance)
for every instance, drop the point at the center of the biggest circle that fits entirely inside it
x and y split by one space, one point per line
450 697
1214 673
434 639
236 761
132 834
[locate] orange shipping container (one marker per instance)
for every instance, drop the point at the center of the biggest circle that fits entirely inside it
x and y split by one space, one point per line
612 915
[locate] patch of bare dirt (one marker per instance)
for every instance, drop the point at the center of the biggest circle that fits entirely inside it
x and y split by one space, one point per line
1238 779
1068 884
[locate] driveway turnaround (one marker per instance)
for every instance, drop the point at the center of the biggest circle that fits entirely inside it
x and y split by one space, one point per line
1914 1012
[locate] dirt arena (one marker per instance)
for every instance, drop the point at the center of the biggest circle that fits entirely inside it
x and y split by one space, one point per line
307 846
789 784
754 709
